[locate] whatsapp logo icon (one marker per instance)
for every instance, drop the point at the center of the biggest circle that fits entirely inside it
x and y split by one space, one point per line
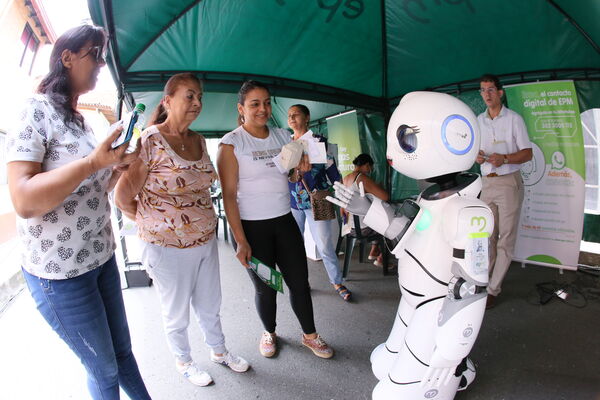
558 160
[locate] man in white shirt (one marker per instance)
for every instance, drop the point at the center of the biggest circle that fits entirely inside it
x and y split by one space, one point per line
505 146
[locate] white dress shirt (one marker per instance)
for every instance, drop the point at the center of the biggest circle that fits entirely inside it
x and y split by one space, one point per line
505 134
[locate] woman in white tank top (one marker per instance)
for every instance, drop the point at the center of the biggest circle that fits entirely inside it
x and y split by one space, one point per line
257 204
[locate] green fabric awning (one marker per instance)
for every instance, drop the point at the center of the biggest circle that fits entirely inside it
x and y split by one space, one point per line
359 53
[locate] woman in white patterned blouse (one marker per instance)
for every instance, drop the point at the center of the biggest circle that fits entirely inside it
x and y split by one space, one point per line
58 179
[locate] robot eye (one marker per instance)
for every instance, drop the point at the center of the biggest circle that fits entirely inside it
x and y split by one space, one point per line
407 137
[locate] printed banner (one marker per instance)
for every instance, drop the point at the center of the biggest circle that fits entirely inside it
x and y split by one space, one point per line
343 131
552 213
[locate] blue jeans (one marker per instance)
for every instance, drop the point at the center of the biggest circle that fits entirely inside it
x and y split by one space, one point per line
88 314
323 235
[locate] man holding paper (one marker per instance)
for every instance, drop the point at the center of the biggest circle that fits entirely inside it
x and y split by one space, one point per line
317 172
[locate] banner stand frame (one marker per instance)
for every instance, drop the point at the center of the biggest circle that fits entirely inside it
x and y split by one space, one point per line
543 264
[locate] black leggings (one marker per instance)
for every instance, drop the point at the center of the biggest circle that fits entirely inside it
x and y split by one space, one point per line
278 242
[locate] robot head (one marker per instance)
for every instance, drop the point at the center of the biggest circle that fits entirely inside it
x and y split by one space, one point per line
432 134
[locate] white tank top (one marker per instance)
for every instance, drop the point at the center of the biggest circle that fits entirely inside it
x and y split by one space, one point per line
262 191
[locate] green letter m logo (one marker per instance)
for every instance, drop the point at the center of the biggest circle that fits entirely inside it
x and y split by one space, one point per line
480 222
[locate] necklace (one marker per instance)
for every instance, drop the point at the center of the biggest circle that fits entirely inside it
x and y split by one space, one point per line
182 144
179 136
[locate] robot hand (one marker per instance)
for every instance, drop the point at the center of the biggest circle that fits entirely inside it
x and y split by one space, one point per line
439 373
352 200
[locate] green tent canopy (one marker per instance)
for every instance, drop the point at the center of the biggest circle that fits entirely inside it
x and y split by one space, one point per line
335 55
358 53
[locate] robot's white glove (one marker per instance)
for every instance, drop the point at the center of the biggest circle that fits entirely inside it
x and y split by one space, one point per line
353 200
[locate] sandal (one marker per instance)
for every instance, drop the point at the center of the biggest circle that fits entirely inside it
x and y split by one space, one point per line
343 292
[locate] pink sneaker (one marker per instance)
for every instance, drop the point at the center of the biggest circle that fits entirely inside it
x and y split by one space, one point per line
268 344
318 346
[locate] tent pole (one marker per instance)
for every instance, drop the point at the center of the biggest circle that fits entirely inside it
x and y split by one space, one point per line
118 213
384 63
576 25
386 102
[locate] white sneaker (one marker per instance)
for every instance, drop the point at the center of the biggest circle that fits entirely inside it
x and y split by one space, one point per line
268 344
191 371
237 364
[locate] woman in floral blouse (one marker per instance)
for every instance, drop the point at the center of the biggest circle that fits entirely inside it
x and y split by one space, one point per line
167 193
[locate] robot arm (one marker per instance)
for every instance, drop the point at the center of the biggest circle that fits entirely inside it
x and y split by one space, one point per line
391 222
462 312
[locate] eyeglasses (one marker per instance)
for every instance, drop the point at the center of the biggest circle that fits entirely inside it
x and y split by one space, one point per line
489 90
98 52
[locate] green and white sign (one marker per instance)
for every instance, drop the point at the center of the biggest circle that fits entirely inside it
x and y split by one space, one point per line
552 213
343 131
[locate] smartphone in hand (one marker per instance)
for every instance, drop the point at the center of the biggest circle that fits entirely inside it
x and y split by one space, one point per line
132 126
127 133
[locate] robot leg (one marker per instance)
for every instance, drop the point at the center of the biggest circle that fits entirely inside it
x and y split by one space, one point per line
404 381
384 355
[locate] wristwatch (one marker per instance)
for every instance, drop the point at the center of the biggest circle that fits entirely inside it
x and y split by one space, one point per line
505 161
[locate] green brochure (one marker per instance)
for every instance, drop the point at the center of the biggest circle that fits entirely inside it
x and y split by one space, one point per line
268 275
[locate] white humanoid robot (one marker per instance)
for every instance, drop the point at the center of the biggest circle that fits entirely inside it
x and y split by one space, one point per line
442 249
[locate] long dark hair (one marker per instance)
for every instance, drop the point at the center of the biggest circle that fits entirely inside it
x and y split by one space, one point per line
246 88
56 84
160 113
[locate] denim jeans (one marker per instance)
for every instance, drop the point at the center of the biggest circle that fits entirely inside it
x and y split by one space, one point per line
88 313
323 235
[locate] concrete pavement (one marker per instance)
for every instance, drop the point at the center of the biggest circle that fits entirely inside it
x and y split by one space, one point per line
524 351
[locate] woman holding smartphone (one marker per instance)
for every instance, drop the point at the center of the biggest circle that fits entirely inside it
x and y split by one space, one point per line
59 181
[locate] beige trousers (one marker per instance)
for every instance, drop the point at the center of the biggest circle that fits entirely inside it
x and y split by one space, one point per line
504 195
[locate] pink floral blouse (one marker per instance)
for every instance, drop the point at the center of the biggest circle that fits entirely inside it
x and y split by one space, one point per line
174 206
